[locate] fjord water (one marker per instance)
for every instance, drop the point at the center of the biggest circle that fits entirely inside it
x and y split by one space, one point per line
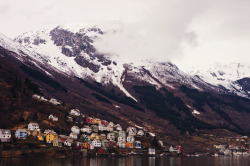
129 161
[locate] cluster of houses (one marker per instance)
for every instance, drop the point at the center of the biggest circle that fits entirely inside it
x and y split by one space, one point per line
96 133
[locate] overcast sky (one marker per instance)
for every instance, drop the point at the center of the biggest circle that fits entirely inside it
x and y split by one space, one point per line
187 32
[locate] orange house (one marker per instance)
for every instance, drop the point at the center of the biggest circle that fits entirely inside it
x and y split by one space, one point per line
86 145
129 145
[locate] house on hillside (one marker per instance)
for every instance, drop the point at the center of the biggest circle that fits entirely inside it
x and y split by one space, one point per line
118 127
130 139
94 128
85 137
111 136
112 144
51 136
137 144
52 117
94 136
175 149
57 143
110 126
21 134
129 145
33 126
102 127
121 144
86 145
5 135
140 133
151 151
73 135
68 142
75 129
122 134
121 139
104 122
96 121
105 143
96 143
75 112
86 129
54 101
131 131
102 136
63 138
89 120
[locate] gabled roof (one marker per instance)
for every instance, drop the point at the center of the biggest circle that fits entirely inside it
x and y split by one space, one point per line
3 131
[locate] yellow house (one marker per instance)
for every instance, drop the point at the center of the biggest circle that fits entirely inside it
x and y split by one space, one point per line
51 136
40 138
94 136
96 121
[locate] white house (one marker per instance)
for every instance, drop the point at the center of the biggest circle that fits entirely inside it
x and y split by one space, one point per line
118 127
75 129
121 144
102 127
151 151
96 143
54 101
111 125
54 118
73 135
140 133
33 126
86 129
131 131
5 135
130 139
122 134
111 136
121 139
68 142
75 112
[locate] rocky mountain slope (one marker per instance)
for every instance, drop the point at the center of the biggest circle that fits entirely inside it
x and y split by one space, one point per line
156 95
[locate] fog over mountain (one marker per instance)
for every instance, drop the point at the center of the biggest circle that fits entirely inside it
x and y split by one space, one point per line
185 32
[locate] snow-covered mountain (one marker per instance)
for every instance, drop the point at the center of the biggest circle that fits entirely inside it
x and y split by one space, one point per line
70 50
232 76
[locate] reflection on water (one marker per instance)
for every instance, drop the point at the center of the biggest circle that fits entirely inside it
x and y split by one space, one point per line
130 161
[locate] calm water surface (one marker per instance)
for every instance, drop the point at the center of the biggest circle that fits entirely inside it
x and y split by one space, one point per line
131 161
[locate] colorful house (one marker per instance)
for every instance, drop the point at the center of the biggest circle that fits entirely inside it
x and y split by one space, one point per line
129 145
86 145
96 121
51 136
105 143
63 138
21 134
94 136
104 122
112 144
137 144
102 136
5 135
40 138
89 120
57 143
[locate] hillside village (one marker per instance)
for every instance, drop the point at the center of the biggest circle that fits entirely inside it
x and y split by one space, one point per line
91 136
